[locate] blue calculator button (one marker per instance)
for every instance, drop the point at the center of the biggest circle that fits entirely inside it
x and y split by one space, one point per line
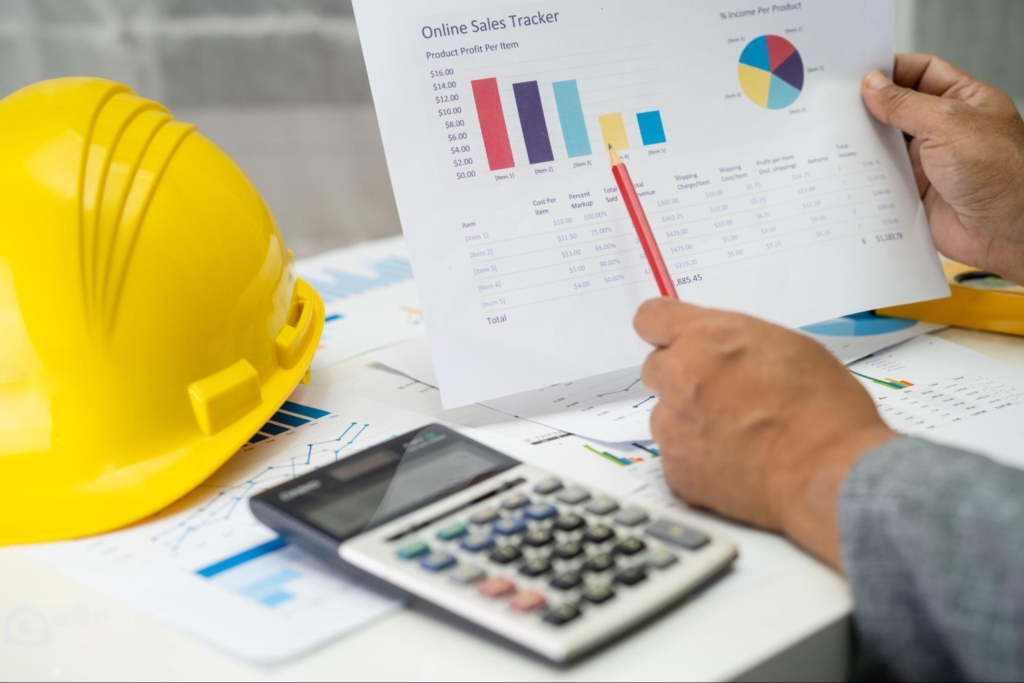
474 543
541 511
510 526
436 562
413 550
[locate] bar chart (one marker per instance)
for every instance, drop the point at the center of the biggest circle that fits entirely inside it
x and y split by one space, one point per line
290 416
538 124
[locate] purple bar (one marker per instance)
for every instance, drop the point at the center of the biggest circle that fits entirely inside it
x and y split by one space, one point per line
531 118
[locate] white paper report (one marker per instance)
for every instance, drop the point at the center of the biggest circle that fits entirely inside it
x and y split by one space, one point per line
770 188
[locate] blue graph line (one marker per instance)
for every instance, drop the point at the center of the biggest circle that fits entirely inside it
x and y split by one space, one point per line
335 284
645 401
223 505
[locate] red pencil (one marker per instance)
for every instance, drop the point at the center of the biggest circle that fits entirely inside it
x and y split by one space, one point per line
643 228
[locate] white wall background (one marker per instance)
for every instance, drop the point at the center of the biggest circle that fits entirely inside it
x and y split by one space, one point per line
281 85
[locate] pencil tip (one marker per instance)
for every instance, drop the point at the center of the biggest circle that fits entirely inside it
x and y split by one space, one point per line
614 156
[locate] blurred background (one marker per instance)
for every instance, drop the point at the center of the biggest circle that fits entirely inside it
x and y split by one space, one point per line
281 85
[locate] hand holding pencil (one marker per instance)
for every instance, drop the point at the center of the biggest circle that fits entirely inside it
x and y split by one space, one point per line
643 229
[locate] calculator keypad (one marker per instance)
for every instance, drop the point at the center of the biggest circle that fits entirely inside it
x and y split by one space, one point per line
562 550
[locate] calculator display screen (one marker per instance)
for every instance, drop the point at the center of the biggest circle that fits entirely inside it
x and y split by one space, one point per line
382 484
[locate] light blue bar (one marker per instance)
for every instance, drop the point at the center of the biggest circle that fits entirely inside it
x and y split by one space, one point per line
276 599
652 130
570 113
270 585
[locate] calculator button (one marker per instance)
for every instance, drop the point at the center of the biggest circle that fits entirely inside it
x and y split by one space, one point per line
631 517
562 615
677 534
631 576
515 502
484 516
599 563
452 531
599 534
466 575
474 543
506 555
574 495
540 511
535 567
598 594
568 551
548 486
569 522
413 550
602 506
661 559
528 601
437 562
495 587
538 538
566 581
630 547
510 526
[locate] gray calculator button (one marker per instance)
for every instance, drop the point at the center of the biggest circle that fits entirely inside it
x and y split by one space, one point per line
515 502
661 559
548 486
467 575
678 535
485 516
602 506
574 495
630 517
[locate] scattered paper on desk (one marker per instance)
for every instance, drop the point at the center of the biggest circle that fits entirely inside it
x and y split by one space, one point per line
855 337
771 189
207 567
369 296
939 390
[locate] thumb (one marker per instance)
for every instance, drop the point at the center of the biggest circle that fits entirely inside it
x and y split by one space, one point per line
913 112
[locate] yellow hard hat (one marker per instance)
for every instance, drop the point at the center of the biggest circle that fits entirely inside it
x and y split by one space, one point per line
150 316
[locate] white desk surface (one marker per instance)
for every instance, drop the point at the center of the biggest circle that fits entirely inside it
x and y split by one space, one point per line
795 627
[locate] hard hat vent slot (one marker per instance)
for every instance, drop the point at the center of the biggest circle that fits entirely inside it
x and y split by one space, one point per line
295 337
295 313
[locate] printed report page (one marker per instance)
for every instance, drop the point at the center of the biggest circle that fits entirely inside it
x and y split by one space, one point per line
770 188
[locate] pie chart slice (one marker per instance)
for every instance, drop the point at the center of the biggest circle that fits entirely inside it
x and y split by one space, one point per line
771 72
860 325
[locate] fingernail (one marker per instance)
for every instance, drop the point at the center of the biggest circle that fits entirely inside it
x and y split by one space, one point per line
876 80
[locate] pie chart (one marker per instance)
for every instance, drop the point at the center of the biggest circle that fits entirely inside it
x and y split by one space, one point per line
772 72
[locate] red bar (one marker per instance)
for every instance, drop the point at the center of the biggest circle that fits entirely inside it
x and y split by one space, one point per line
492 124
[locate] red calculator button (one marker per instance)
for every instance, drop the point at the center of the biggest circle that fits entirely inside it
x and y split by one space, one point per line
495 587
527 601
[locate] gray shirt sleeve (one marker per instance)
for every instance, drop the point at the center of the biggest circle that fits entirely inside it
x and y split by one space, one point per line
933 545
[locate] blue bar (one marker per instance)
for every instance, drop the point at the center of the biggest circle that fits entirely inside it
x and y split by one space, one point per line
277 598
299 409
570 113
242 558
651 128
290 420
257 438
273 429
333 318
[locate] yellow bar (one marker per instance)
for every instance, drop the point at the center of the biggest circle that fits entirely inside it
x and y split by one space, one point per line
613 129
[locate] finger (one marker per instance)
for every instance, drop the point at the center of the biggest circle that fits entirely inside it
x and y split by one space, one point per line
660 370
659 322
923 183
930 75
912 112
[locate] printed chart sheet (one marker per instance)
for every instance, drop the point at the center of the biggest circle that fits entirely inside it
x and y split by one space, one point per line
771 189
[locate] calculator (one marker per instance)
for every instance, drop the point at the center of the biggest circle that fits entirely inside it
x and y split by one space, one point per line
542 561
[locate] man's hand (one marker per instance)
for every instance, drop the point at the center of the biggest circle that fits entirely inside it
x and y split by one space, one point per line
967 148
755 422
